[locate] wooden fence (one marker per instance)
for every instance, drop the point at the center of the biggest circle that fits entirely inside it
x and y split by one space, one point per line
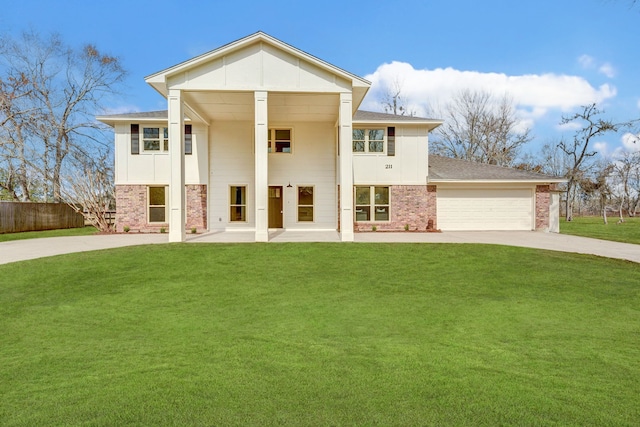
110 216
18 216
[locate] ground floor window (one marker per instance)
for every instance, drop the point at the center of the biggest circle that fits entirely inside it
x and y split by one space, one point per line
238 203
157 204
305 204
372 203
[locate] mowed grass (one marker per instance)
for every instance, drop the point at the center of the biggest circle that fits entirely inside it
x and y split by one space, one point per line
320 334
81 231
590 226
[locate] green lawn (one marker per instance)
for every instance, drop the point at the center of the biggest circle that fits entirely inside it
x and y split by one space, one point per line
589 226
320 334
82 231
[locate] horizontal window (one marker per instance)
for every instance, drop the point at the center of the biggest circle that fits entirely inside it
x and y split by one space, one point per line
368 140
151 140
156 139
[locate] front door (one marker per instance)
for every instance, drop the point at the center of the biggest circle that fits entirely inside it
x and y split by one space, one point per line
275 207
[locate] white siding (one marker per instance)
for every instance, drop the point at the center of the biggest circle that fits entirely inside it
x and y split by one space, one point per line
311 163
153 167
485 208
259 66
231 163
407 167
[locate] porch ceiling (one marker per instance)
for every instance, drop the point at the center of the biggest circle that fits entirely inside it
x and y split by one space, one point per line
283 107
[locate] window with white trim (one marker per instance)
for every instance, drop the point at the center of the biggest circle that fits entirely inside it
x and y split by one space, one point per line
305 204
157 204
238 203
372 203
152 140
279 141
368 140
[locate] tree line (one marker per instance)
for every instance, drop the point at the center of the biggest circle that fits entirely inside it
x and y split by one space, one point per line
480 127
51 148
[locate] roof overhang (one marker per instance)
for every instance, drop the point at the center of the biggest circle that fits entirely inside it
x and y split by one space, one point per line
429 123
497 181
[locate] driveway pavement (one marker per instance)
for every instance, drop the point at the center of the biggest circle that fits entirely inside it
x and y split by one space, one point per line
19 250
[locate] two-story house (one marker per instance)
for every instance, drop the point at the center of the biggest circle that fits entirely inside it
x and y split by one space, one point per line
271 137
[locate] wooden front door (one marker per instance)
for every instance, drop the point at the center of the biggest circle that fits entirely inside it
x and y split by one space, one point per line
275 207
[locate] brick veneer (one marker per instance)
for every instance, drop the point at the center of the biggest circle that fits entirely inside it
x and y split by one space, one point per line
543 199
131 208
412 205
196 207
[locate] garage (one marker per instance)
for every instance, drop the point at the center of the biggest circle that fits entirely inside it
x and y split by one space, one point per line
485 208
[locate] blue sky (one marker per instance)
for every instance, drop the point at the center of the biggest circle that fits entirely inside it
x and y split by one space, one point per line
550 56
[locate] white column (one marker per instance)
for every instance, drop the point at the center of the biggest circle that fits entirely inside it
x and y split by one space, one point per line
346 168
261 167
176 155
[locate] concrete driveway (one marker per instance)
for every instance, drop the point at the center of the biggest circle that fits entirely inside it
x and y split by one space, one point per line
19 250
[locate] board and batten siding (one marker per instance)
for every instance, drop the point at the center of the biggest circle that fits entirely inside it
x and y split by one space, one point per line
486 208
407 167
311 163
151 168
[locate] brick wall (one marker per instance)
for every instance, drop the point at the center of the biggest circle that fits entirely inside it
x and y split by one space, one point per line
412 205
543 199
196 207
131 208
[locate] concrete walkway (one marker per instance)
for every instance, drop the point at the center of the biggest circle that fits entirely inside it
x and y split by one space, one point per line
19 250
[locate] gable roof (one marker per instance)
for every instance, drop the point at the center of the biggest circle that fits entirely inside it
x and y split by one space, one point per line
158 80
446 169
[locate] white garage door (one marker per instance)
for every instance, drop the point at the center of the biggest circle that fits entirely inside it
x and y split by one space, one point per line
485 209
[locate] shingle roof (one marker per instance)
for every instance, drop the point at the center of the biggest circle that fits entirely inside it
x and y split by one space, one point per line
448 169
161 114
362 115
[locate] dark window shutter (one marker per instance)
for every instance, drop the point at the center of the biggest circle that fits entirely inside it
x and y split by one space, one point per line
188 140
135 139
391 141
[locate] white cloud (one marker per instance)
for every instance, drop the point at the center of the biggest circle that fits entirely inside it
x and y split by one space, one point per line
534 95
586 61
638 103
602 148
569 127
607 69
631 142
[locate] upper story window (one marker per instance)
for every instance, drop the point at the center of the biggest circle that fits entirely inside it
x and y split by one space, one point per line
151 140
280 140
156 139
368 140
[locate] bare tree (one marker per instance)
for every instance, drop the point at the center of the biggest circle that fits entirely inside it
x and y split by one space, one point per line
394 100
64 88
578 149
599 186
89 187
482 128
627 182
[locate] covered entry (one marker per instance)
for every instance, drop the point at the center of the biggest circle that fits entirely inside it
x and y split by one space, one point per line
485 208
